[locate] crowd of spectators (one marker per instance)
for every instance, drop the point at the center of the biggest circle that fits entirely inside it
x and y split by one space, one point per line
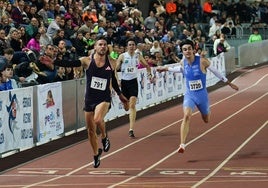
38 31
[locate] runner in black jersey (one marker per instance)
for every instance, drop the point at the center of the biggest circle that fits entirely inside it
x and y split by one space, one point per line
100 79
99 73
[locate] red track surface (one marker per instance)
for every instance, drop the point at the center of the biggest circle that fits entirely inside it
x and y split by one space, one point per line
230 151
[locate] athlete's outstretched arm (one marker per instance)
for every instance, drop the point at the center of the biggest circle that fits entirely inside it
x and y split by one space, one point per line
177 68
221 77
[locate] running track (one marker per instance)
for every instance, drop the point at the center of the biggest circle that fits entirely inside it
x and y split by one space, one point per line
230 151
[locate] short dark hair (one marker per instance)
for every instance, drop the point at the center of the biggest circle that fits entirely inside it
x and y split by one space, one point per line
101 37
187 42
131 39
9 51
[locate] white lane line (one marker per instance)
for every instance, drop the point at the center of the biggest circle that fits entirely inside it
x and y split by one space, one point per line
230 156
85 166
192 141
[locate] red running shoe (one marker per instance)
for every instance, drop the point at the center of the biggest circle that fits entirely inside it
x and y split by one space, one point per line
181 148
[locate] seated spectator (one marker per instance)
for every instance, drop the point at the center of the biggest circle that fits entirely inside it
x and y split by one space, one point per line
60 74
167 37
67 52
78 72
150 59
22 35
9 59
3 41
114 51
6 24
69 29
54 26
34 43
156 48
172 58
3 64
32 28
7 81
14 41
87 26
220 45
45 68
58 37
80 45
45 39
17 13
43 13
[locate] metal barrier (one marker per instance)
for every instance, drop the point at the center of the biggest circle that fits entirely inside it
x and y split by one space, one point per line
252 53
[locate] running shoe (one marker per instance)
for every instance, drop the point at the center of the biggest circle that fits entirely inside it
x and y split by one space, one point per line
181 148
97 158
131 134
106 144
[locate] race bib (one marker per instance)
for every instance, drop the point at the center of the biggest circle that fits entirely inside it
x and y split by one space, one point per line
98 83
131 70
195 85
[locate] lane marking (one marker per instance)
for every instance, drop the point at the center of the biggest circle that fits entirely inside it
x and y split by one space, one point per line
192 141
108 155
230 156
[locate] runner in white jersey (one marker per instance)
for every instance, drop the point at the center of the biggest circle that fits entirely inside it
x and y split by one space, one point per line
127 63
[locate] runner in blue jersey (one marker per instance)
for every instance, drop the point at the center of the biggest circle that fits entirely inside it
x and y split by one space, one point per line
194 69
